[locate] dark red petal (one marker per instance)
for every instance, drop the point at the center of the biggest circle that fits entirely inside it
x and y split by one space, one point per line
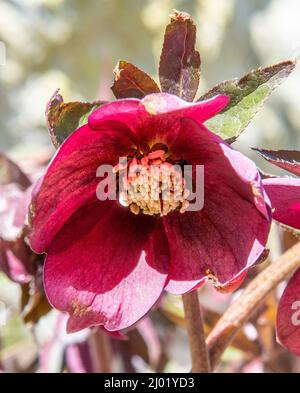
104 269
284 193
116 334
288 315
179 287
222 164
216 242
155 117
124 111
71 181
228 235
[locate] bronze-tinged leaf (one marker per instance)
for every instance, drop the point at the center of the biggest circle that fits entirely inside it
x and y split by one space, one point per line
34 304
179 67
65 117
131 82
288 160
247 95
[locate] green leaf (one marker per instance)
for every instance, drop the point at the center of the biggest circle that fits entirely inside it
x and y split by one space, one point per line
65 117
131 82
179 67
247 95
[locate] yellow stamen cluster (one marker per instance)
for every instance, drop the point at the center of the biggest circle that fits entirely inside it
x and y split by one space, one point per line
153 186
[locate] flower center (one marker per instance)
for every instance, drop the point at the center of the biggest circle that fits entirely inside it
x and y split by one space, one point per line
151 185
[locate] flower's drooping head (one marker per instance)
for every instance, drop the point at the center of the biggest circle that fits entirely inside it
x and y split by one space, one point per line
184 208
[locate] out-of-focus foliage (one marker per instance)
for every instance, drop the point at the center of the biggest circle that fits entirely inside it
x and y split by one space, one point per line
75 46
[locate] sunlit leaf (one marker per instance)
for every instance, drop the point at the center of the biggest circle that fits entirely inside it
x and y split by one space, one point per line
65 117
247 95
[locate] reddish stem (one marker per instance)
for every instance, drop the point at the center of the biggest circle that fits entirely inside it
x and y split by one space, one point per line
100 349
196 335
242 308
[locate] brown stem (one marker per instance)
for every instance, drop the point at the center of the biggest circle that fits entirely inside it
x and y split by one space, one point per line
242 308
196 335
100 349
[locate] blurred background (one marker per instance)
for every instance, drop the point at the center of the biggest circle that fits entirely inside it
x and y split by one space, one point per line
74 45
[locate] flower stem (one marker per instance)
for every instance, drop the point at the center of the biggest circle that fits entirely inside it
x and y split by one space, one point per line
101 352
242 308
196 335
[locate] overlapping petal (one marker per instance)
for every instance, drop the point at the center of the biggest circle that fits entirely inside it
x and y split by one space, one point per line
106 268
284 193
288 315
156 117
228 235
71 182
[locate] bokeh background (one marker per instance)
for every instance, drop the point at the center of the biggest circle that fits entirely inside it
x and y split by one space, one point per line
74 45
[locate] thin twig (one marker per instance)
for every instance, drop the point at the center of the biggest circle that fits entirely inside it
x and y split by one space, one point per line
196 335
243 307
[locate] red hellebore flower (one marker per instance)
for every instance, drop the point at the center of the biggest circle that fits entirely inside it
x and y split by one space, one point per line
108 264
284 193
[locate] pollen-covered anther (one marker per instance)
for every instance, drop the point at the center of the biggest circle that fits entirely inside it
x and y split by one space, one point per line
153 186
